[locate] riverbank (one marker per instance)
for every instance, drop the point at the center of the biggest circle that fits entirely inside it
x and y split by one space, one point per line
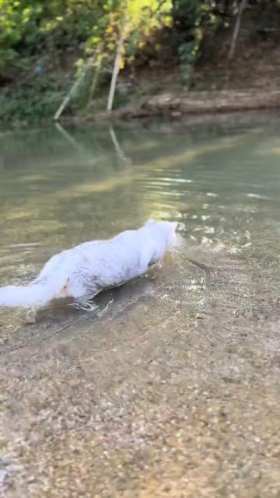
194 103
171 101
156 85
176 105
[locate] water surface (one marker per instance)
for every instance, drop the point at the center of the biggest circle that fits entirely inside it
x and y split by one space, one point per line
172 387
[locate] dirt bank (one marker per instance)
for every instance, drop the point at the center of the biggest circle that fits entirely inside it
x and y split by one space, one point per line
190 103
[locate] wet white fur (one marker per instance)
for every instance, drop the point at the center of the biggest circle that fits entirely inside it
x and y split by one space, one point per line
85 270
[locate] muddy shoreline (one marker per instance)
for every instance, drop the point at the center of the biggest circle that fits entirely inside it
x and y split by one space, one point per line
194 104
196 107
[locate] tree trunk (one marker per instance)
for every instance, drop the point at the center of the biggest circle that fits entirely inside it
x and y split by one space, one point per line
74 88
115 73
236 30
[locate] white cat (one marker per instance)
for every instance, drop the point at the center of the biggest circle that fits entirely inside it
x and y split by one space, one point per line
82 272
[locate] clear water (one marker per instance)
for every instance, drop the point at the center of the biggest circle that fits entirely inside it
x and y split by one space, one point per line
178 342
59 188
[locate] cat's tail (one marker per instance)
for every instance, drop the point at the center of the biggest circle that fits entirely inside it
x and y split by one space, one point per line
32 295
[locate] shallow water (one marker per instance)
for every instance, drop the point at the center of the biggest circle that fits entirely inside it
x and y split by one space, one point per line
170 387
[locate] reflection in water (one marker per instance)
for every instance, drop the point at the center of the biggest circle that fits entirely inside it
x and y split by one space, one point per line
61 187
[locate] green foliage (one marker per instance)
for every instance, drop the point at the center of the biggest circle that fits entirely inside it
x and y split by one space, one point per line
33 25
39 35
134 20
30 27
33 29
17 21
193 19
129 22
29 103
